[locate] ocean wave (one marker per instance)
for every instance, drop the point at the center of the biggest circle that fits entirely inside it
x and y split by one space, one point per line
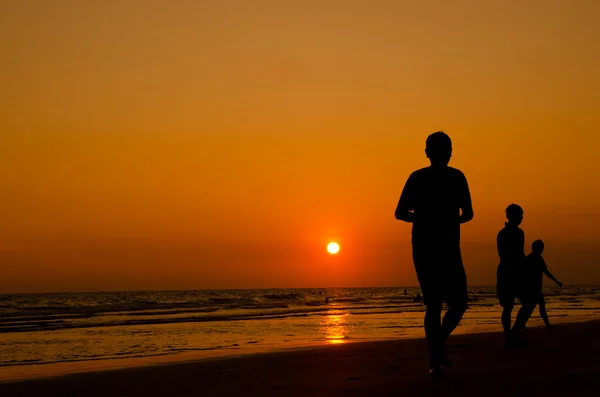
14 363
41 312
290 296
171 318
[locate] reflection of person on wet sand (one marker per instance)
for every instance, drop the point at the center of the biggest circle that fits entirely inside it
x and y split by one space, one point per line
436 200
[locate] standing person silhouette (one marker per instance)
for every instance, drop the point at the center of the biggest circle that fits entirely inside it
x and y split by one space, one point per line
512 276
436 200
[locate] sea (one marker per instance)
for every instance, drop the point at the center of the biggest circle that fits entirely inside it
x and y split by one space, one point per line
38 329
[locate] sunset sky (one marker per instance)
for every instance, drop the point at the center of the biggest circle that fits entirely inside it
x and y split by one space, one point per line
222 144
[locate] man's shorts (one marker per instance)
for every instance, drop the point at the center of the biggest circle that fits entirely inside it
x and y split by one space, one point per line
508 289
441 274
506 293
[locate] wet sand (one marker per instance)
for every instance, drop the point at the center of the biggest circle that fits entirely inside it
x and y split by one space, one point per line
561 362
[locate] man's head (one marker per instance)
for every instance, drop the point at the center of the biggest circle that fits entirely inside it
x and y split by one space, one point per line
537 248
438 148
514 214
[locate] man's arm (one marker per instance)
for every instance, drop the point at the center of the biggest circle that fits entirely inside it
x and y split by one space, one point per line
466 206
501 246
551 277
405 207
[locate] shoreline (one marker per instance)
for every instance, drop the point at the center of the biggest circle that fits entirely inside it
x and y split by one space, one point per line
552 363
37 372
26 372
139 332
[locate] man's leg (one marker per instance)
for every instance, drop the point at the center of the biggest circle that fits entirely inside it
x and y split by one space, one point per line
433 331
524 313
453 282
425 258
506 298
507 308
543 312
452 318
456 310
456 297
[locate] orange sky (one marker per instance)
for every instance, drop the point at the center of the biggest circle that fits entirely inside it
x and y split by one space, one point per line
222 144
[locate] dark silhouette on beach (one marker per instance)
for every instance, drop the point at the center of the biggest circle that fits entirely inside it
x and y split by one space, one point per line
436 200
512 276
536 266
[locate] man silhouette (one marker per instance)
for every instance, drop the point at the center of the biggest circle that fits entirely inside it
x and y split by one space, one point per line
536 266
436 200
513 279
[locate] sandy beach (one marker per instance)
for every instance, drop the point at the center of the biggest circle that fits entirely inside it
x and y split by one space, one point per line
564 361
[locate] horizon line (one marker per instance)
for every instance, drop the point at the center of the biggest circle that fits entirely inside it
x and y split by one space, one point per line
250 289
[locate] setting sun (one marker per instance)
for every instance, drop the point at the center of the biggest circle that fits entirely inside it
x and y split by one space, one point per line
333 248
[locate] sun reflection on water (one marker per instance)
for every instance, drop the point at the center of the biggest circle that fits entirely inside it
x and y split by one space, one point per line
335 328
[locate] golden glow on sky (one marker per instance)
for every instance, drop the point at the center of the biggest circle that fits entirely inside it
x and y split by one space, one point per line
184 145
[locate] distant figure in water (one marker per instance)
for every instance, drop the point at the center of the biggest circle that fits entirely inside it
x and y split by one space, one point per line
436 200
327 300
405 291
512 277
536 266
418 297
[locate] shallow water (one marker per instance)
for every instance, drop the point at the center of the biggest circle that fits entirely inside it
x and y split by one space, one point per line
52 328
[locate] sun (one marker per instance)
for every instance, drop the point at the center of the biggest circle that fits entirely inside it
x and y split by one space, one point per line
333 248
